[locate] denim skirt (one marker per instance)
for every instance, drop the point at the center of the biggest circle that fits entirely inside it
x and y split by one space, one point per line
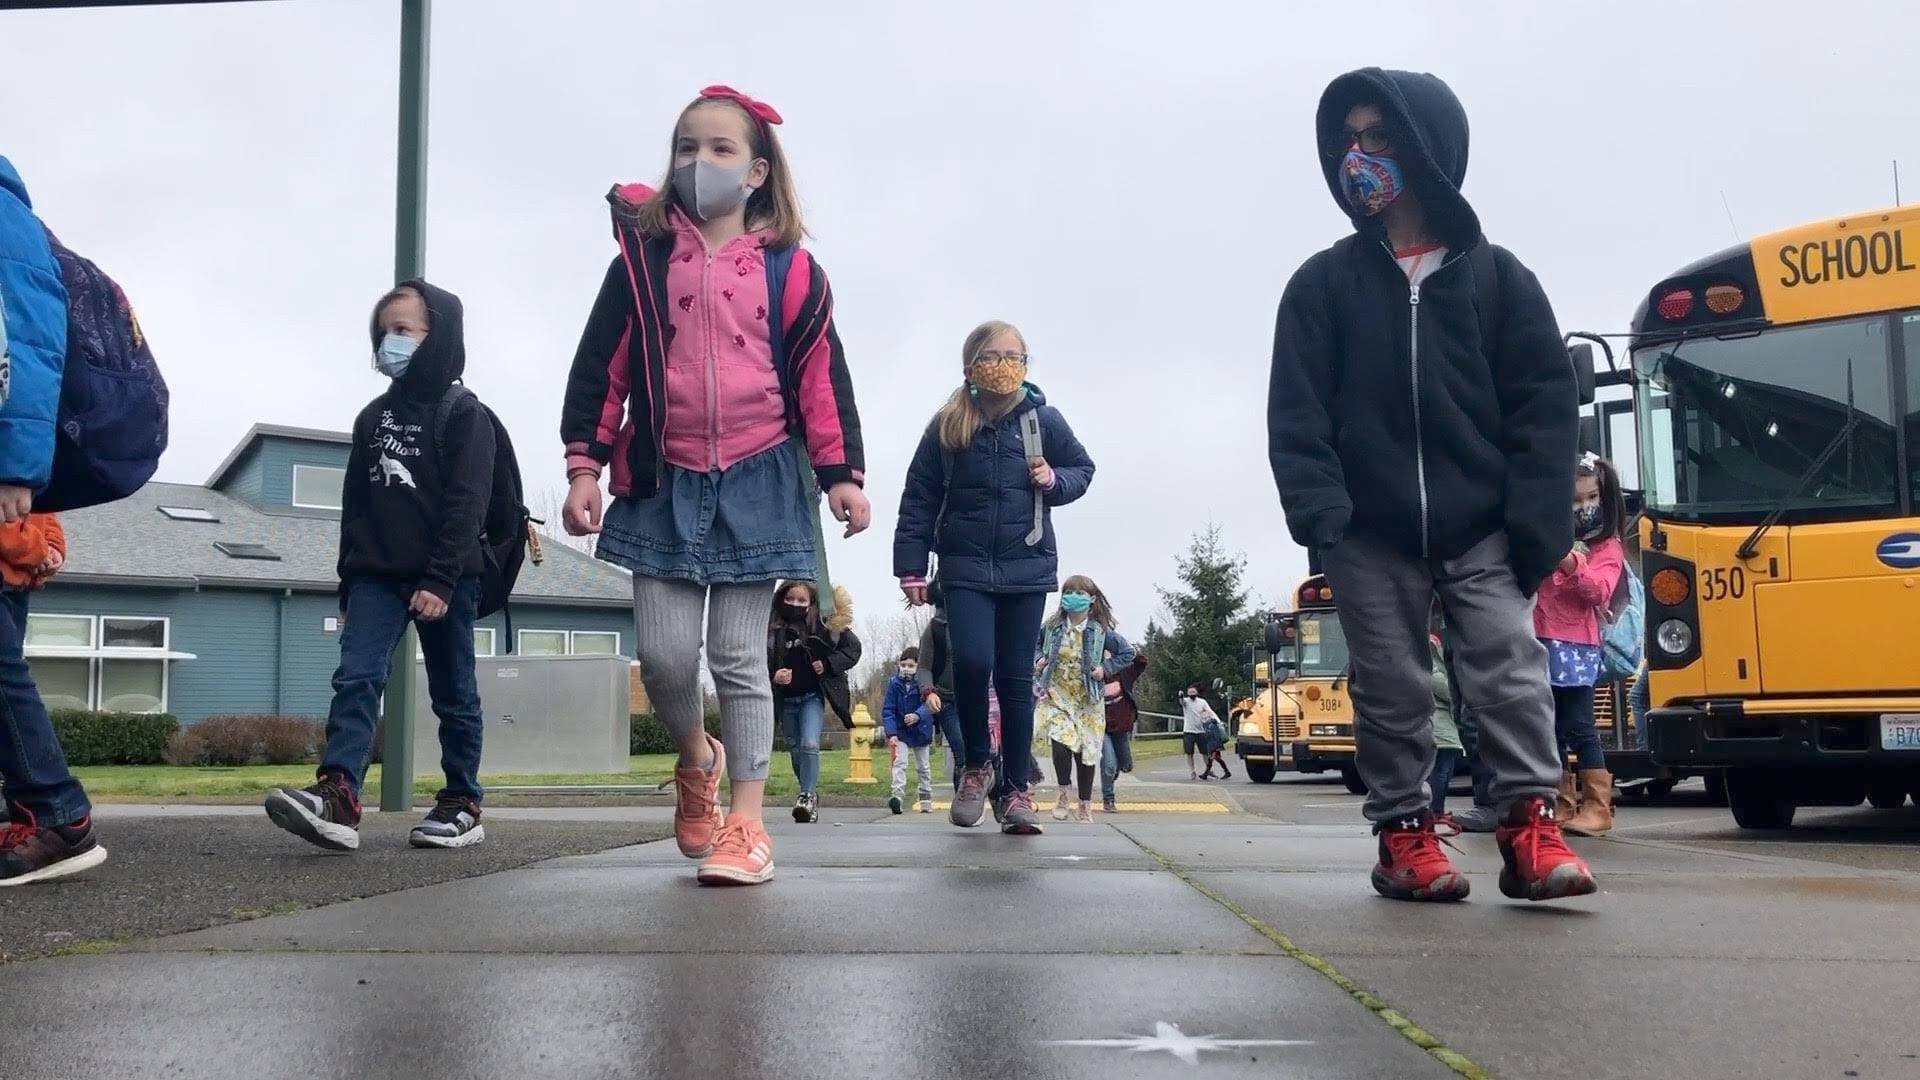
750 523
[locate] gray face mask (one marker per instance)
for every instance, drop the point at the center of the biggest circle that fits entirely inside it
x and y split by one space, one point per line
710 190
394 355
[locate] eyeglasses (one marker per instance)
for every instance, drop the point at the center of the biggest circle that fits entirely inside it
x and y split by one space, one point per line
1372 140
1000 357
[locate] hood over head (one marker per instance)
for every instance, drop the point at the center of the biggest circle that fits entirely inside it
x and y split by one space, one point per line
442 357
11 183
1429 130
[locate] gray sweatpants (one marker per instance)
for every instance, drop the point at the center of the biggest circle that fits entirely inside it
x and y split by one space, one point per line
668 617
1385 600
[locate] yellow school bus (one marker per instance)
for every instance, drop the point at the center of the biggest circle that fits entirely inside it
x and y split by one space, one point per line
1777 407
1302 716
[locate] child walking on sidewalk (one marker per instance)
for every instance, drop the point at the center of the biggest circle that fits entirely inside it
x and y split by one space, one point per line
710 304
413 511
1078 647
909 722
979 494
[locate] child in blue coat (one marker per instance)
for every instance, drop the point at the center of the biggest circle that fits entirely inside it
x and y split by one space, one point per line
909 723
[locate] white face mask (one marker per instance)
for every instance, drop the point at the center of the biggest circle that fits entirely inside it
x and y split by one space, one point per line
394 355
709 191
908 671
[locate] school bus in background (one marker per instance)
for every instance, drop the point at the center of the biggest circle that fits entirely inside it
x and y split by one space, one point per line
1777 407
1301 718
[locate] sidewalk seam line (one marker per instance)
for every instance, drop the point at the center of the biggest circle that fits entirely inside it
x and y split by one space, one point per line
1393 1018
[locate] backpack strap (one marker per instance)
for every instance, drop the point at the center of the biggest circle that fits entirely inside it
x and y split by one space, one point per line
1030 442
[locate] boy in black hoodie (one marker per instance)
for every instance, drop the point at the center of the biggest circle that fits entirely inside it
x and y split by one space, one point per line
412 511
1422 421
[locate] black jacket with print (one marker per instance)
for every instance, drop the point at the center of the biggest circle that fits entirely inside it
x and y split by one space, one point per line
1434 449
412 511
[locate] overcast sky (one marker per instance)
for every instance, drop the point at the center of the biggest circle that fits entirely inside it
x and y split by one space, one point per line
1131 183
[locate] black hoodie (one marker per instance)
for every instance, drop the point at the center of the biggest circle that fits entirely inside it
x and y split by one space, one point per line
1476 437
412 511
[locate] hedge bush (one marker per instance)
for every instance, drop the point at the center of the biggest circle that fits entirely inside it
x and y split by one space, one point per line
106 738
646 735
248 740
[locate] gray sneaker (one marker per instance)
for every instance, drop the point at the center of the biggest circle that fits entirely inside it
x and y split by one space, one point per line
1020 818
970 802
1477 818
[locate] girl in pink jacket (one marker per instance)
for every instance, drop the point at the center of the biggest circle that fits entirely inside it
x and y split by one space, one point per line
710 378
1566 618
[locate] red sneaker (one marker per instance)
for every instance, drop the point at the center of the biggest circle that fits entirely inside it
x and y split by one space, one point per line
1412 865
696 803
1539 864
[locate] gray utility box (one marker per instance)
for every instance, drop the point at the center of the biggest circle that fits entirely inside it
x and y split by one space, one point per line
542 714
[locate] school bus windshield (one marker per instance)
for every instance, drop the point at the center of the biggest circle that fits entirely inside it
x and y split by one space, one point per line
1730 424
1323 645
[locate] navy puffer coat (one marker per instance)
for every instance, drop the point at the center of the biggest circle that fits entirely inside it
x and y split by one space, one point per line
974 508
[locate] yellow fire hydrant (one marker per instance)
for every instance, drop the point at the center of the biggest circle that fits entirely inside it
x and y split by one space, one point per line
860 748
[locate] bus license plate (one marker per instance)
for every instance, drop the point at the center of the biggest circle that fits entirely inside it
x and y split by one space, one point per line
1900 731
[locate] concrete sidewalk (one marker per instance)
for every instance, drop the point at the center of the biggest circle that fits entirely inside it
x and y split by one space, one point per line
901 947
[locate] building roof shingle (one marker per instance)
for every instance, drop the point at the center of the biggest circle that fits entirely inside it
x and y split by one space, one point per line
132 542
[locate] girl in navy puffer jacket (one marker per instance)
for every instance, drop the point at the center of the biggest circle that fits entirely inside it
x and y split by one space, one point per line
994 462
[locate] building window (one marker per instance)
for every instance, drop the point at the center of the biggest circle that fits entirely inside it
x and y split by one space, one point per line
483 641
111 663
317 487
596 643
189 513
259 552
542 643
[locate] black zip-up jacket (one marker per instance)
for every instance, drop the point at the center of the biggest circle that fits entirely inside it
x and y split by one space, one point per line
1387 414
412 511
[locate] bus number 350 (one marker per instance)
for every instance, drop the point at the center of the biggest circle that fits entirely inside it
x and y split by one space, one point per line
1723 583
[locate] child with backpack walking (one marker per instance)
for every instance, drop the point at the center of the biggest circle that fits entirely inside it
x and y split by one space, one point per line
979 494
46 824
1566 619
909 721
709 306
808 657
413 521
1079 648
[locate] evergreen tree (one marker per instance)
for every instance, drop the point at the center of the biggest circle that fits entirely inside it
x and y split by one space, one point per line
1212 627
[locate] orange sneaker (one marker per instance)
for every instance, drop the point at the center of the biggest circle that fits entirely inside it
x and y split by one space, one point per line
696 803
742 854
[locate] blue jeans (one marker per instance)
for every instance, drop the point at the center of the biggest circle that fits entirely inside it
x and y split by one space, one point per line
1639 700
1573 723
800 720
994 639
377 616
1116 757
948 721
33 770
1445 764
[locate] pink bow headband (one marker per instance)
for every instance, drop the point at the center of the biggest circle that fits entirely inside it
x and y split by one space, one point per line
759 110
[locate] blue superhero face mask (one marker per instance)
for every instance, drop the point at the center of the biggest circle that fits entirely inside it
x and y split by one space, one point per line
1370 180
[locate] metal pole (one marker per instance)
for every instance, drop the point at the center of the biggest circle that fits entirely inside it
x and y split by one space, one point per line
409 261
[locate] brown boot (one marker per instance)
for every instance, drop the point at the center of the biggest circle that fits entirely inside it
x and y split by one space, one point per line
1595 817
1567 803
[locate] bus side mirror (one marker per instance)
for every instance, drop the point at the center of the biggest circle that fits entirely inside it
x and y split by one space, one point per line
1581 357
1589 435
1279 635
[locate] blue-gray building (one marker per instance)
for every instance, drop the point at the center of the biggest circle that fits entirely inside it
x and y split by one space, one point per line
217 599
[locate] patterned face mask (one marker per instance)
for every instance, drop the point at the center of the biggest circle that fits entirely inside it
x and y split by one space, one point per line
1371 181
1001 375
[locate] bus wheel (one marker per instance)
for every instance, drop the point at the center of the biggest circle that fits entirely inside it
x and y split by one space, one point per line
1760 798
1260 772
1887 794
1350 776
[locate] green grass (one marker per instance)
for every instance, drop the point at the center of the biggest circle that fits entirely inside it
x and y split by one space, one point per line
164 782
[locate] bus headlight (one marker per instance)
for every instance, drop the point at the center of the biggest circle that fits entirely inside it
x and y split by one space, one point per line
1323 730
1674 637
1250 729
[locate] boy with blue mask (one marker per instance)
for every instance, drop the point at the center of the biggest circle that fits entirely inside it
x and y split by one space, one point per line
413 507
1421 420
909 719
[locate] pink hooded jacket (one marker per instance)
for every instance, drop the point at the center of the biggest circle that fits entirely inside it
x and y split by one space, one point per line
1568 605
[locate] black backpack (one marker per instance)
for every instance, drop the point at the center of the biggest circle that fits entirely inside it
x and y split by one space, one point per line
507 528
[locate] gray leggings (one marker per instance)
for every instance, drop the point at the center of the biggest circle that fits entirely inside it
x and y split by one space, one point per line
667 617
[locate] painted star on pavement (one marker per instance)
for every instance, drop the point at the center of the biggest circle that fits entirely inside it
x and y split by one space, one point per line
1170 1039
